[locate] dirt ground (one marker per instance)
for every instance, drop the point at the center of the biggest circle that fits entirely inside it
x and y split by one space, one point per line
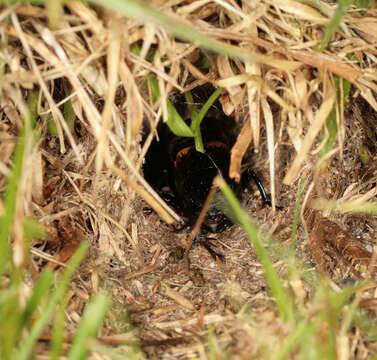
172 308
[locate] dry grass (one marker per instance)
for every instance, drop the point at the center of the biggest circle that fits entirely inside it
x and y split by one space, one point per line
85 182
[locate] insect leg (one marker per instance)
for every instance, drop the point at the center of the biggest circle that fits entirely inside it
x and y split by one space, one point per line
250 174
212 252
203 241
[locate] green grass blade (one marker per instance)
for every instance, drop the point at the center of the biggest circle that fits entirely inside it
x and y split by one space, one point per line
57 296
141 11
191 106
194 115
334 23
272 278
69 115
154 88
212 353
39 294
338 300
10 320
291 341
309 349
197 120
364 155
32 104
7 220
207 105
175 122
89 326
33 229
57 336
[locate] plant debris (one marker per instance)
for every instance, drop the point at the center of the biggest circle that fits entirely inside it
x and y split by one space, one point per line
83 179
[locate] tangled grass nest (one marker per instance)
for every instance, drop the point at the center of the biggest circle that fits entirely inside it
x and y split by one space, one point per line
77 76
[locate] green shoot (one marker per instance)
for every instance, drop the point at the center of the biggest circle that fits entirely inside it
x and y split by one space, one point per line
89 326
283 302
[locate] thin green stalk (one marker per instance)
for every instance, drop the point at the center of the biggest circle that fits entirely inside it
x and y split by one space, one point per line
89 326
141 11
335 21
57 337
203 111
39 294
7 220
283 303
291 341
57 296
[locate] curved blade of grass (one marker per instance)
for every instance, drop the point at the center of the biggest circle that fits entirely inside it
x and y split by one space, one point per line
154 88
309 348
143 12
89 326
207 105
213 355
175 122
272 278
195 125
57 296
194 115
334 23
291 341
57 334
11 324
39 293
10 320
190 105
32 104
274 247
7 220
14 321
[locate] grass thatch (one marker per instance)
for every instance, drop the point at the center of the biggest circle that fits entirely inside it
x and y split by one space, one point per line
77 119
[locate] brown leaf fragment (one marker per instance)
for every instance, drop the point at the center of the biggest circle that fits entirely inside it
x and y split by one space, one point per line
63 255
226 72
142 271
178 298
69 236
317 60
238 151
